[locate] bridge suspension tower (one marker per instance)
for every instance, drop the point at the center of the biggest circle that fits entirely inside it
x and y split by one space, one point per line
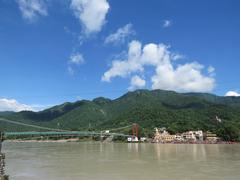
135 130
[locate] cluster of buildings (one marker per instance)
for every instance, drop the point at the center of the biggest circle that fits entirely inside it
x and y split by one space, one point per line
162 136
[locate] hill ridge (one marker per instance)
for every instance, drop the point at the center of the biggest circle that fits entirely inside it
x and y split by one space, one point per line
149 108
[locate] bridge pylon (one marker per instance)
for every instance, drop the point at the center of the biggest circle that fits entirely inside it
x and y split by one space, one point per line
135 130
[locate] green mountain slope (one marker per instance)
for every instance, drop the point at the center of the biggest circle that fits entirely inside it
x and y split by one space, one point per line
178 112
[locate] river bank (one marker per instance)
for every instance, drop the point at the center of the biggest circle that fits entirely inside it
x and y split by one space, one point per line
91 140
40 141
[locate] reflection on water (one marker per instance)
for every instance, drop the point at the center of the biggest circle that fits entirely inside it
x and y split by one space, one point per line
107 161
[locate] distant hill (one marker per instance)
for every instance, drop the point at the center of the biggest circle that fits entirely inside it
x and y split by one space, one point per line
3 113
157 108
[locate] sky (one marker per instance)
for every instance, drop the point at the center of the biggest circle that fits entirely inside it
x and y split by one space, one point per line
53 51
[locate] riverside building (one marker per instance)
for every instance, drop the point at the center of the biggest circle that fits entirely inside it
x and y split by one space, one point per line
162 136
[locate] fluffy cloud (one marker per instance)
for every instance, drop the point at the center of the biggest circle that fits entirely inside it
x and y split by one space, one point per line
123 68
232 93
76 58
167 23
186 77
31 9
120 35
211 69
137 82
91 13
176 56
13 105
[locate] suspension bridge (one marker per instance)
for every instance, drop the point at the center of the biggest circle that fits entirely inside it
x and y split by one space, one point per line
53 132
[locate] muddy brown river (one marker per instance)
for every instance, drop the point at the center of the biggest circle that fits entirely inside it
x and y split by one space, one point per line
120 161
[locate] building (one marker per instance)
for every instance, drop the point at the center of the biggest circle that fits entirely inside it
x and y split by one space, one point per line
143 139
168 138
179 138
189 136
193 135
157 135
211 137
162 136
198 135
132 139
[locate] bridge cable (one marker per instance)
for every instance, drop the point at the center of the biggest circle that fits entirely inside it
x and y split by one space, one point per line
50 129
119 128
34 126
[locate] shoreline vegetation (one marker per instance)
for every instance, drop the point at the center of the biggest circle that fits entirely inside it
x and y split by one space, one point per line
90 140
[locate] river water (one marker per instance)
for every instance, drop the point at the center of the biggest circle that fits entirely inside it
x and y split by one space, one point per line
119 161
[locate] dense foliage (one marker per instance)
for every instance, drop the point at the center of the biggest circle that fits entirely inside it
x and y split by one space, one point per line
157 108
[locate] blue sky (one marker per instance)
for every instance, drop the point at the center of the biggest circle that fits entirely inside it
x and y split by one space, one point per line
54 51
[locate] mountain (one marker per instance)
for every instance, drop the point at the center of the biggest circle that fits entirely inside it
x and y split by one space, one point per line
157 108
3 113
231 100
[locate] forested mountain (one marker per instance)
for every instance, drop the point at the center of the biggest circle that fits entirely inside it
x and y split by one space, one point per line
157 108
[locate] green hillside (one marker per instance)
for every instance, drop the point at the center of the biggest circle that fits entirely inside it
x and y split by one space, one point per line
175 111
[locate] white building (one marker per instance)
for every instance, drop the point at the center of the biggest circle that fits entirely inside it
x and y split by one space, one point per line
193 135
189 136
199 135
132 139
143 139
179 138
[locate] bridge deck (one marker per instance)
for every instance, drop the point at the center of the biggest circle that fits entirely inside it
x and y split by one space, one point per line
54 133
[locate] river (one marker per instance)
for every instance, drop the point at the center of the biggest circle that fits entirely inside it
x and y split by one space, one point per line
120 161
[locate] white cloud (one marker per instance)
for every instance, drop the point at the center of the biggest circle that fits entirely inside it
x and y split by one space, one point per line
120 35
137 82
76 58
91 13
31 9
176 56
186 77
70 70
13 105
211 69
232 93
123 68
167 23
